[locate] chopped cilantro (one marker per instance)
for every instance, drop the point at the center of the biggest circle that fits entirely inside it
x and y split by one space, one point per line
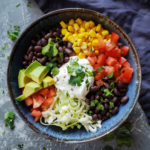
90 73
17 5
109 137
29 4
53 60
124 139
59 39
113 43
74 80
44 148
55 71
111 105
17 28
92 103
70 70
3 132
99 85
112 86
12 35
100 107
12 127
9 119
107 92
61 56
87 84
51 65
80 73
6 125
100 68
8 57
110 110
96 101
5 45
126 126
90 111
91 49
3 92
110 75
20 146
3 54
74 63
102 100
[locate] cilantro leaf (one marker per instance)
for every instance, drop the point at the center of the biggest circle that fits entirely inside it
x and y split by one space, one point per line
17 5
107 92
20 146
112 86
12 35
100 107
100 68
61 55
70 70
113 43
87 84
90 73
75 80
92 103
44 148
5 45
124 139
80 73
3 54
102 100
17 28
51 65
55 71
74 63
111 105
91 49
9 114
53 60
3 132
12 127
126 126
3 92
96 101
109 137
29 4
110 110
110 75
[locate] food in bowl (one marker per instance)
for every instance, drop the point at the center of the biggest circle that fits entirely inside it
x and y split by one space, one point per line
74 75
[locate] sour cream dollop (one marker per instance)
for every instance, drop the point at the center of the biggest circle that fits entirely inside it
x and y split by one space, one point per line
63 77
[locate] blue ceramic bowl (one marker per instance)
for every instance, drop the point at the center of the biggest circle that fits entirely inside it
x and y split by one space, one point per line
15 64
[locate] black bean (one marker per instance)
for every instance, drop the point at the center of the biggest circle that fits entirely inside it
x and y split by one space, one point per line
69 45
39 55
120 45
101 103
42 60
43 33
38 48
60 49
104 118
25 63
38 37
39 43
106 79
95 117
99 116
106 100
29 62
48 35
94 89
56 40
26 57
97 111
115 111
107 85
105 96
53 39
31 54
92 107
103 112
54 29
66 59
56 34
97 97
116 92
61 36
110 81
87 101
59 60
123 90
108 114
35 53
49 59
123 94
26 67
106 106
64 47
124 99
34 42
34 58
58 30
91 97
57 46
68 51
59 65
115 99
44 42
118 104
99 92
31 48
121 85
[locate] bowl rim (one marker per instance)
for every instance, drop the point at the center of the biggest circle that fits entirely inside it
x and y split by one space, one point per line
139 74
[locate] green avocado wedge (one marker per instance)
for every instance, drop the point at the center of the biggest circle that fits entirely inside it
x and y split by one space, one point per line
21 98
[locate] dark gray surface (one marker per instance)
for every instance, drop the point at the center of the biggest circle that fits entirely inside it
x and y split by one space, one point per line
23 16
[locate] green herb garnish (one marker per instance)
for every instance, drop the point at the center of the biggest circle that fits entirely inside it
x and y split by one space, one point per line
12 35
5 45
3 54
3 92
126 126
29 4
3 132
20 146
61 56
100 68
8 57
87 84
100 107
55 71
110 75
17 28
101 99
92 103
70 70
53 60
44 148
113 43
9 118
109 137
111 105
107 92
17 5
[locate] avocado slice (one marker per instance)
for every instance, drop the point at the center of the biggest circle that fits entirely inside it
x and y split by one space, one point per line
48 81
21 98
31 88
39 73
31 67
23 79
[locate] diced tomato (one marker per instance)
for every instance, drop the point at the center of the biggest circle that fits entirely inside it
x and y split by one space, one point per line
122 70
108 70
98 76
36 119
96 47
100 82
109 46
96 66
34 109
29 101
116 52
119 78
114 37
125 50
117 66
44 92
127 73
48 101
122 60
44 108
22 90
89 53
92 62
52 92
125 81
38 101
126 64
101 60
101 43
111 61
36 113
116 74
95 59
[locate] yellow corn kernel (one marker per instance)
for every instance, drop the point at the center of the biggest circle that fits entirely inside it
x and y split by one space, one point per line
94 28
98 27
74 44
89 44
100 31
108 36
95 42
76 32
84 45
75 36
78 21
83 24
92 24
104 40
83 39
84 50
70 28
88 30
66 36
81 30
64 31
81 55
63 25
92 33
81 35
77 49
71 39
98 35
87 25
90 39
76 27
96 52
79 42
71 22
105 32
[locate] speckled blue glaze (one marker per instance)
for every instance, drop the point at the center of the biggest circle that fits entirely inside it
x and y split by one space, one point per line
56 133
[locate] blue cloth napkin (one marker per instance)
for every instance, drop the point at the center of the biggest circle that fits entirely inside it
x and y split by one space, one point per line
133 16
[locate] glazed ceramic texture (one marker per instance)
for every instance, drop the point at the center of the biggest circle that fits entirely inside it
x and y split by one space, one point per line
15 64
